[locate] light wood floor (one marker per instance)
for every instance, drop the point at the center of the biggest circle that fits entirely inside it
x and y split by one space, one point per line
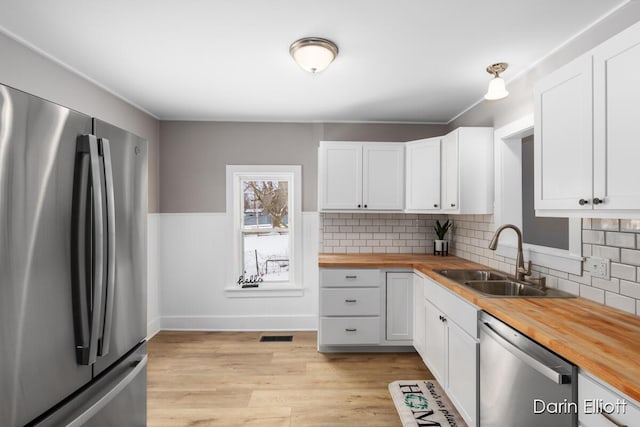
231 379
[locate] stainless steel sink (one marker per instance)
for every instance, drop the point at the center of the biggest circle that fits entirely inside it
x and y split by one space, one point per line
466 275
505 288
498 284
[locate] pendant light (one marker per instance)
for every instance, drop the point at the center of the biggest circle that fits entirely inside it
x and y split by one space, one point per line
497 89
313 54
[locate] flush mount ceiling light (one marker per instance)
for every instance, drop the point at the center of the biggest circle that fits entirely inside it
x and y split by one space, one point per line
313 54
497 89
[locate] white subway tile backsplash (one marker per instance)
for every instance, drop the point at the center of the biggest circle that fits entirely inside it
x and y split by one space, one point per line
594 294
620 302
630 225
623 271
630 257
612 285
605 224
607 252
593 237
569 286
624 240
631 289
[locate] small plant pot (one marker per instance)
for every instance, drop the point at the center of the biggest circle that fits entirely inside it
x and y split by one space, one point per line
441 247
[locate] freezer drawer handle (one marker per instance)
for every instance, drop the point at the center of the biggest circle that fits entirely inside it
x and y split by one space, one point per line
111 247
87 248
545 370
108 397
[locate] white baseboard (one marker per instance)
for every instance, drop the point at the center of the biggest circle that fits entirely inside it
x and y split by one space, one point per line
153 328
241 323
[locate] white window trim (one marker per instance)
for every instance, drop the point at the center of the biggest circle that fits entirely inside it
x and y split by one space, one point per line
233 175
508 203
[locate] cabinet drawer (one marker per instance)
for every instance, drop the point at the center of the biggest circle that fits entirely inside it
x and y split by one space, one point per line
352 277
592 395
350 302
454 307
349 330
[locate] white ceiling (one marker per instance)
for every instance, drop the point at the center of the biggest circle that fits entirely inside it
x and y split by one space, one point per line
400 60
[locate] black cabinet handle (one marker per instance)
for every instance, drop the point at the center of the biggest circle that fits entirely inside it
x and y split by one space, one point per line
350 329
435 205
350 277
453 205
350 300
359 206
365 206
597 201
583 202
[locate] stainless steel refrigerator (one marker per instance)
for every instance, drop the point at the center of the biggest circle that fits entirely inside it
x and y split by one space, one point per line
73 207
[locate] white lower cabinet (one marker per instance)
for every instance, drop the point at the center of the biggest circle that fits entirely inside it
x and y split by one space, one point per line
365 307
435 342
350 330
451 347
400 307
419 319
601 406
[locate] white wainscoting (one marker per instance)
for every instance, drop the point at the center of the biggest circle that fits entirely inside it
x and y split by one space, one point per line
191 275
153 276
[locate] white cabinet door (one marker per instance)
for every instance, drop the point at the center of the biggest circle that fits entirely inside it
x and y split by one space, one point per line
423 175
435 343
563 137
383 176
419 318
450 171
399 306
616 144
340 176
462 372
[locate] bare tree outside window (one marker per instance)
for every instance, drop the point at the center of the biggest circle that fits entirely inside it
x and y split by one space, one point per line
266 229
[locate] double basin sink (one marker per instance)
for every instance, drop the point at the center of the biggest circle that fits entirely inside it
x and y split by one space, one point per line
497 284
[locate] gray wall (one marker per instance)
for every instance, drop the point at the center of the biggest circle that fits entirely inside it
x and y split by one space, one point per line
26 70
520 100
194 155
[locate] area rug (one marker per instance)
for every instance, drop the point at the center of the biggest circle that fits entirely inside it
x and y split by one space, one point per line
423 403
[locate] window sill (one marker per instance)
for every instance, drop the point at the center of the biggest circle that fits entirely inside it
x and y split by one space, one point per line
556 259
264 291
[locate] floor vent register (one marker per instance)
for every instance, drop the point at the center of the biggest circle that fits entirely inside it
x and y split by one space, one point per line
276 338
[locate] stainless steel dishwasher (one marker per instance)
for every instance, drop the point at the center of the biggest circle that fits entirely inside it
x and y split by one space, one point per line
521 382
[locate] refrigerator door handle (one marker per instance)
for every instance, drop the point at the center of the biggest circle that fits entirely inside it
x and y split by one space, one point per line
104 400
88 249
111 247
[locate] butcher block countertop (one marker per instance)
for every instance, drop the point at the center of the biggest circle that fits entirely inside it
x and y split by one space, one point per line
601 340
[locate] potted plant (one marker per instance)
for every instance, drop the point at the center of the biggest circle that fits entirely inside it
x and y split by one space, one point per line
441 246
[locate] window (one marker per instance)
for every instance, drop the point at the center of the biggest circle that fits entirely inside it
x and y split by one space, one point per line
510 147
263 207
265 228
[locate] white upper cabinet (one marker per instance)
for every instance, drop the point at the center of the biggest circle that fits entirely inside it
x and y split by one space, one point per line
383 176
361 176
563 137
423 175
616 146
340 177
450 171
586 147
467 171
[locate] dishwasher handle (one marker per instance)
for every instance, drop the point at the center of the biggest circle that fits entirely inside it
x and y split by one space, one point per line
547 371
